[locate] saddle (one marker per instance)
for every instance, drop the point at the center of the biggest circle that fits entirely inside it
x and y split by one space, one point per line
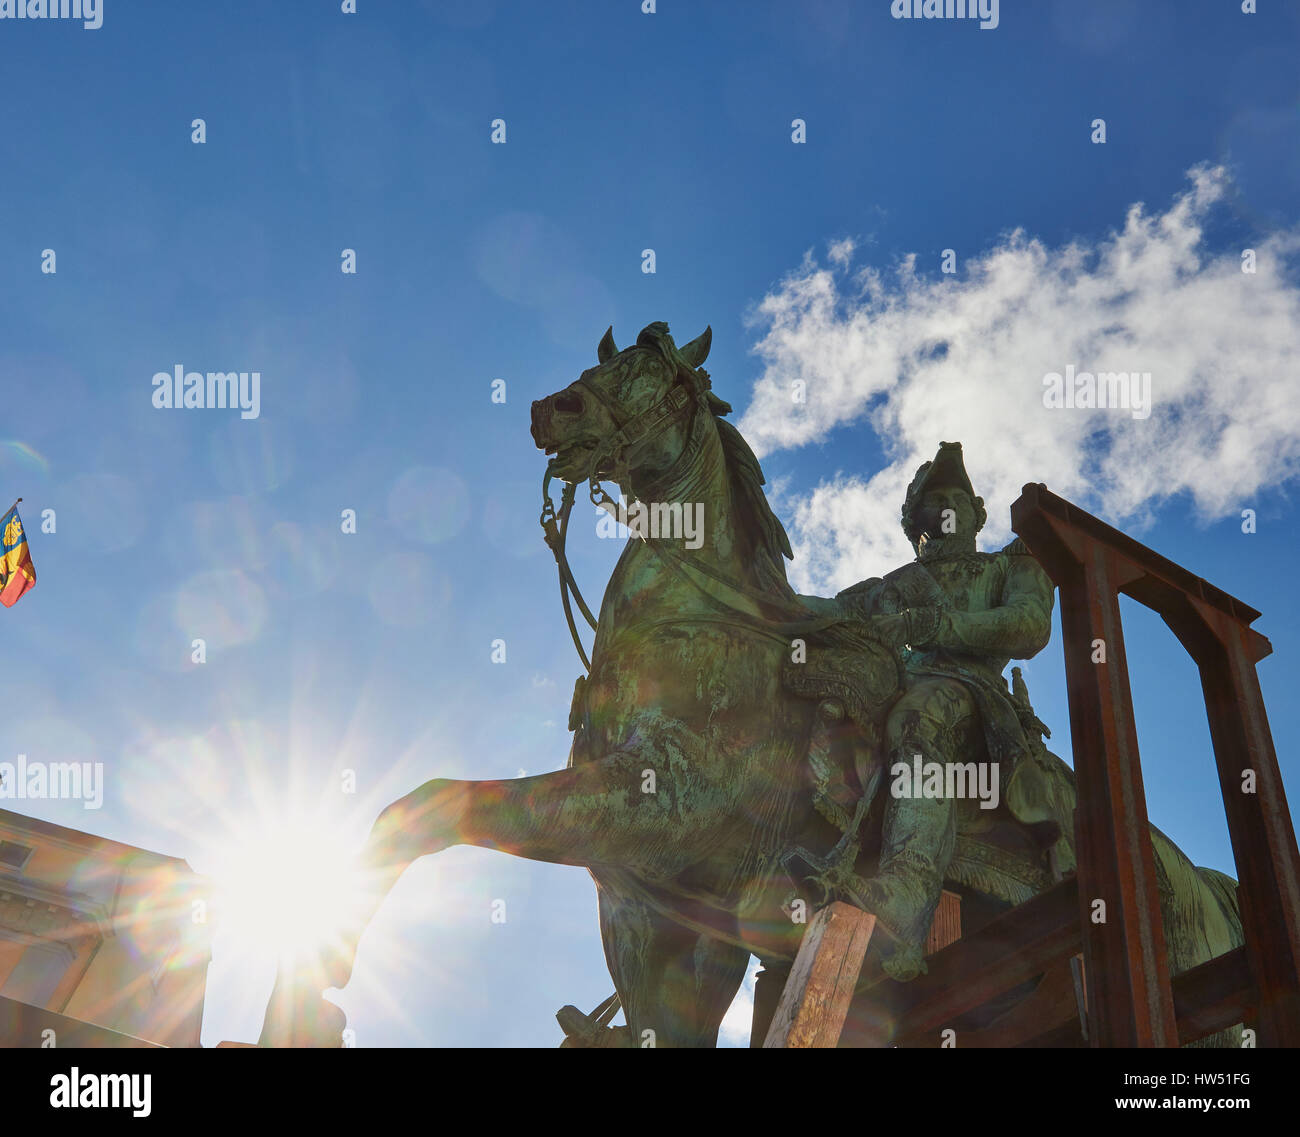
854 680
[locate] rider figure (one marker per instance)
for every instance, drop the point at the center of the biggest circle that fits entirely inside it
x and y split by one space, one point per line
958 617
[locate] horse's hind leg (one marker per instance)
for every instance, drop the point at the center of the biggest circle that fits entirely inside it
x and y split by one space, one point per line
675 984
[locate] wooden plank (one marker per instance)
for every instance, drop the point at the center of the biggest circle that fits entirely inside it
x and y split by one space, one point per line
945 928
983 964
1208 998
1158 570
1065 1036
816 998
979 967
1214 996
871 1019
1051 1004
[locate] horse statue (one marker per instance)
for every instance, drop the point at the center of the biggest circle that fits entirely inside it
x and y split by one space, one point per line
697 790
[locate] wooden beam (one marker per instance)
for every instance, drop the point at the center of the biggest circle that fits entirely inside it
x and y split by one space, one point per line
872 1017
1007 951
1157 571
1051 1005
816 998
945 928
1214 995
1210 997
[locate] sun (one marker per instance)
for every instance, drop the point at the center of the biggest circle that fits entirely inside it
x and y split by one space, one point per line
286 888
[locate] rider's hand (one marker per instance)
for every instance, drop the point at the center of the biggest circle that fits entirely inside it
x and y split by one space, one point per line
913 627
892 629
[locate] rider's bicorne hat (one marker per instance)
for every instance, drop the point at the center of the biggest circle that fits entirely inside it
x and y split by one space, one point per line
946 470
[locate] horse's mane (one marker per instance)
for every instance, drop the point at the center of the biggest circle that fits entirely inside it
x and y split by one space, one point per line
766 534
761 527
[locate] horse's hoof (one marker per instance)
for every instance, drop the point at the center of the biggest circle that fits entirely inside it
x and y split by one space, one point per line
335 968
327 1026
299 1016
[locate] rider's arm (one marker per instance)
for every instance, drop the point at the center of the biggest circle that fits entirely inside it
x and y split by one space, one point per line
821 605
1018 628
858 600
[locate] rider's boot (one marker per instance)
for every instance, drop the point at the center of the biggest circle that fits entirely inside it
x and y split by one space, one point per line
916 847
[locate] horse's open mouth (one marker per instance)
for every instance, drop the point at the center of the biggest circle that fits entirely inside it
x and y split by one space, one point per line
571 455
557 449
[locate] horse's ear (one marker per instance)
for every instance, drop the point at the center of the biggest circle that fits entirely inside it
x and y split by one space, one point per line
606 349
697 351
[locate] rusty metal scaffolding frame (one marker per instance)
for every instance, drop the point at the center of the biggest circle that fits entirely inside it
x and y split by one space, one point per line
1131 1001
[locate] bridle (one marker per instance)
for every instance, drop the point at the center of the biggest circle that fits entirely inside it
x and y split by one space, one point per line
634 432
614 452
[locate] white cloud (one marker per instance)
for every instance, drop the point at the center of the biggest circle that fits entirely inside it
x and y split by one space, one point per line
962 358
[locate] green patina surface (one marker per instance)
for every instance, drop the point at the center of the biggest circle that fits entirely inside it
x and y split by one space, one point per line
741 752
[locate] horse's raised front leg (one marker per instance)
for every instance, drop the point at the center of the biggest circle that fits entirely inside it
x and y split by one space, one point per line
608 812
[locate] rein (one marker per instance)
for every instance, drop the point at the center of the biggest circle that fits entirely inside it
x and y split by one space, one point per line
627 434
555 531
640 428
732 610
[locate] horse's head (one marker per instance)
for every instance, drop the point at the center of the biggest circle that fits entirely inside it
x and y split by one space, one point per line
629 414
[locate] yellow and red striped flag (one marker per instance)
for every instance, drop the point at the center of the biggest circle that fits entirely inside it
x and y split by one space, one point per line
17 574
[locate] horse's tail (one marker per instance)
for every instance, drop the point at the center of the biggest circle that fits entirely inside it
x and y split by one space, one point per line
1224 889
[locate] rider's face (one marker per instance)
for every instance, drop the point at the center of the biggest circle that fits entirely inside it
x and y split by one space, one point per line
947 511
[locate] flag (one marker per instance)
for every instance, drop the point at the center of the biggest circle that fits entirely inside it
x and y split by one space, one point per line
17 574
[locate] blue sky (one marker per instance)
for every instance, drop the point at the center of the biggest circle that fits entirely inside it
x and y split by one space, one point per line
625 131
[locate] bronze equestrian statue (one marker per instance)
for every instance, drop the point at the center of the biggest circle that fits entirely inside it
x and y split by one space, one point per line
742 753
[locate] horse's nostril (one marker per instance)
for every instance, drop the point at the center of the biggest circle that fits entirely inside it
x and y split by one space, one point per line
568 404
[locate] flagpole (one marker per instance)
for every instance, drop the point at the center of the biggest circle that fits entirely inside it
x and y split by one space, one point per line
12 507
